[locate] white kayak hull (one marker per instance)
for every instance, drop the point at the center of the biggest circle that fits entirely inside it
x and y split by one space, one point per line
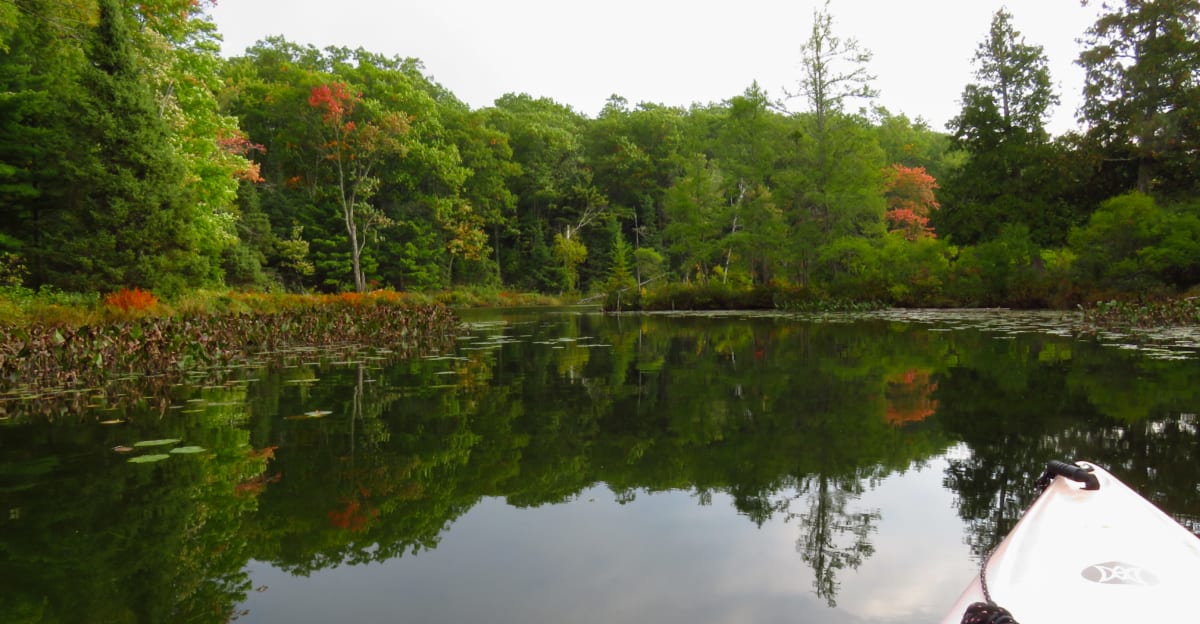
1092 556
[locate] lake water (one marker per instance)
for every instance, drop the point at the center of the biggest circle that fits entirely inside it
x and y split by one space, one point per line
566 466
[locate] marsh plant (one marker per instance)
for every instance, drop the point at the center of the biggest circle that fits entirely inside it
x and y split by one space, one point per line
45 367
1143 314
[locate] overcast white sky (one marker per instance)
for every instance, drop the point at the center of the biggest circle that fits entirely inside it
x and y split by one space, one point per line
674 52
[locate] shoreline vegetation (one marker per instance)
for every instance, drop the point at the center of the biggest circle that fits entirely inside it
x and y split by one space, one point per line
60 352
133 155
1143 315
58 358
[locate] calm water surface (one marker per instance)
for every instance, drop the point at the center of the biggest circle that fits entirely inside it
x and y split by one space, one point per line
573 467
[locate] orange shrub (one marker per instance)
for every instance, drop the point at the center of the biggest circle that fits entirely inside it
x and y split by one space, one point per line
128 300
351 298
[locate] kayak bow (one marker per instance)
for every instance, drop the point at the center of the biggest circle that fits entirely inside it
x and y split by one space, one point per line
1088 550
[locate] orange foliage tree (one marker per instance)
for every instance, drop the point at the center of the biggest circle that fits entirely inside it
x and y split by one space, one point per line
910 201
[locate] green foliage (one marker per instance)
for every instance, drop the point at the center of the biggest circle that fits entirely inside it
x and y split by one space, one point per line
912 143
916 271
1009 270
570 253
410 210
620 287
13 271
850 267
710 296
119 177
634 154
1132 245
648 264
695 209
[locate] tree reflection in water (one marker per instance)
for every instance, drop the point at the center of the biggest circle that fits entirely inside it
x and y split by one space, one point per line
375 460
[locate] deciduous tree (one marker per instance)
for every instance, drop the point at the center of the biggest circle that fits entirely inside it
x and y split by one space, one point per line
356 139
833 179
910 199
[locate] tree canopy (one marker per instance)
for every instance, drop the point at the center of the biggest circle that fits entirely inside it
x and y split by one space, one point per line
132 154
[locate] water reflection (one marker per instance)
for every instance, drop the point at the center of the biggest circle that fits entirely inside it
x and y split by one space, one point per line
608 428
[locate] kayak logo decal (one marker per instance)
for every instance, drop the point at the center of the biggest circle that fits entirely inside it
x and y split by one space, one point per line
1119 573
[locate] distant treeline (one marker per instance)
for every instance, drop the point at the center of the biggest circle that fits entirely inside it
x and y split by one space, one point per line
133 155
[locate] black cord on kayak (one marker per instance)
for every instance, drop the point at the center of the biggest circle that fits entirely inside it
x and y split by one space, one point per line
988 612
984 613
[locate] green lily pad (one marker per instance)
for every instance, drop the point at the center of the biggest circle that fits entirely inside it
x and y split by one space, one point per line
188 450
164 442
146 459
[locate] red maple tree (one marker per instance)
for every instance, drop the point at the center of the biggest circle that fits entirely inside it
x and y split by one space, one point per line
910 200
355 139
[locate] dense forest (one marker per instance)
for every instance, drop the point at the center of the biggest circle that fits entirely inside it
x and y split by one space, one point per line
132 154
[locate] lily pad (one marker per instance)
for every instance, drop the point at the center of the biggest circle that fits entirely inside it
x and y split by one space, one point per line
317 413
163 442
146 459
122 449
188 450
113 421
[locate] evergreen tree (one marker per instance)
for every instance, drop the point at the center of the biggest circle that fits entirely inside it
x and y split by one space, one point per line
1142 91
39 69
127 221
1001 128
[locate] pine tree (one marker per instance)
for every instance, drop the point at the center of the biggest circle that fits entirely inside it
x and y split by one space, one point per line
127 222
1142 91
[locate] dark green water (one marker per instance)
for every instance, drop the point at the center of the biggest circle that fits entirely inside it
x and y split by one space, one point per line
567 467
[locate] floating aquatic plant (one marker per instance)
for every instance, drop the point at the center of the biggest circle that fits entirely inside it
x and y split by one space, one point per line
146 459
163 442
